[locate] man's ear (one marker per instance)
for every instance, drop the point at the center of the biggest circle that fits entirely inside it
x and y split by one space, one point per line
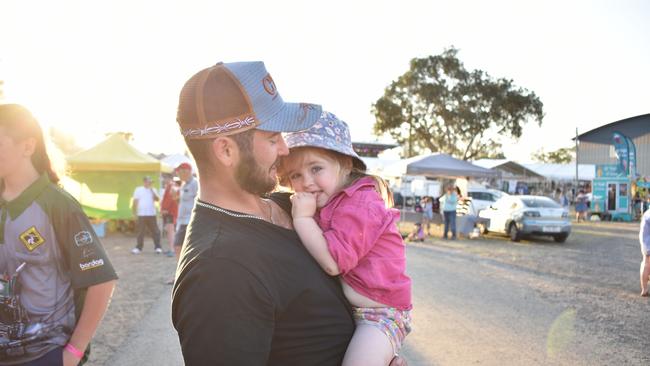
225 150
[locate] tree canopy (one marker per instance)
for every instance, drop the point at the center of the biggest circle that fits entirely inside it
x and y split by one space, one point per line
560 156
439 106
64 142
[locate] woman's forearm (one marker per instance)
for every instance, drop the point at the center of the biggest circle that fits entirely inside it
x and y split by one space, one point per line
95 306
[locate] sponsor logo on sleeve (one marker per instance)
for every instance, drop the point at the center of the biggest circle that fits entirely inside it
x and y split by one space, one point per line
92 264
87 252
31 239
83 238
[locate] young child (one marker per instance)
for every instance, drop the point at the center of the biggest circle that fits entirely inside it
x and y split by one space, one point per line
56 277
342 220
417 234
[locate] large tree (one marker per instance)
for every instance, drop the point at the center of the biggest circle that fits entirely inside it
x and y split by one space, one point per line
439 106
560 156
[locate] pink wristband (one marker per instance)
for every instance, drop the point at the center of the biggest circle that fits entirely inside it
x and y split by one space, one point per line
75 352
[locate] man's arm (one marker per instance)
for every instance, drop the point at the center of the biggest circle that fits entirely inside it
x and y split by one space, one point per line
134 207
223 314
155 195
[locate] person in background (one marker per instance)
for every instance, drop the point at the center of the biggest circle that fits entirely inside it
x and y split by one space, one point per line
427 214
564 200
144 208
417 234
581 206
169 211
449 204
186 198
644 239
55 277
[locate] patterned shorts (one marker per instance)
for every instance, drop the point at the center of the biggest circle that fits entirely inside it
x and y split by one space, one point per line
396 324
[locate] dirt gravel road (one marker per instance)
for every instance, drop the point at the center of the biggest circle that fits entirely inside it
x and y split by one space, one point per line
140 289
485 301
493 302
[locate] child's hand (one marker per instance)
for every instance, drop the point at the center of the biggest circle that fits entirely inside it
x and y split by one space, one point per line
303 205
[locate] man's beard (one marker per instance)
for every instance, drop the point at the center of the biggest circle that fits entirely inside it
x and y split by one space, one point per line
252 177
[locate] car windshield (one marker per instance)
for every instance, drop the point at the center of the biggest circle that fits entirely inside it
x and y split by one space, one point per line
542 202
498 194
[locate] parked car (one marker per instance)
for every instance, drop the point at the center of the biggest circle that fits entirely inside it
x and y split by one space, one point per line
483 198
527 215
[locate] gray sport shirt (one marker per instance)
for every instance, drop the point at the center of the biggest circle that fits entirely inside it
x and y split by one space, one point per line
46 229
188 193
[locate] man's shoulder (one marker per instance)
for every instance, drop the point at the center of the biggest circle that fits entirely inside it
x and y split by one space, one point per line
217 231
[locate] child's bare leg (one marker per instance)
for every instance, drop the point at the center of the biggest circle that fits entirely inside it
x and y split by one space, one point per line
369 347
645 275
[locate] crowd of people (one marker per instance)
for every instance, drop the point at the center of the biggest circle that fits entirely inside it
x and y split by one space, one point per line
179 193
447 206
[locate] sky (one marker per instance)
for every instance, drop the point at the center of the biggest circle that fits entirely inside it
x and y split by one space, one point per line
89 67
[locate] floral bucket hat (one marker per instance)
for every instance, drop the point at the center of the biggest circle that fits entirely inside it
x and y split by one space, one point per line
329 133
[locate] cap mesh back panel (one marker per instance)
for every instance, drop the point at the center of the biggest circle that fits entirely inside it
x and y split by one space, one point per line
222 99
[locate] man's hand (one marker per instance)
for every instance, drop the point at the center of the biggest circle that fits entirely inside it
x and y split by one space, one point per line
303 205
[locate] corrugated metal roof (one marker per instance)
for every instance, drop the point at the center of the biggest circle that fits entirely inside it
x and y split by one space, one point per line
631 127
508 166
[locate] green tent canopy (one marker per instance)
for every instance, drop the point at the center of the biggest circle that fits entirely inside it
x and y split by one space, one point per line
104 177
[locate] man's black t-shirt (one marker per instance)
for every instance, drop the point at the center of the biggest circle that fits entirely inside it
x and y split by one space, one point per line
248 293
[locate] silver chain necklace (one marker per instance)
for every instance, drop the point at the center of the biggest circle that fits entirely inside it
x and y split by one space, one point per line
229 213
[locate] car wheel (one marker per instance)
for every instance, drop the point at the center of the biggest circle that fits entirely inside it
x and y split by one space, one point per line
515 235
483 228
560 238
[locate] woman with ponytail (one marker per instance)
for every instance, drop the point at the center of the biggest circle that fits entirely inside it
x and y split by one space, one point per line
55 277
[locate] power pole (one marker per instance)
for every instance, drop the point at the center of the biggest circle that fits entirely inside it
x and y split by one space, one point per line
577 178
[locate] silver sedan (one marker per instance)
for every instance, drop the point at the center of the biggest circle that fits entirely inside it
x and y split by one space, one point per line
517 216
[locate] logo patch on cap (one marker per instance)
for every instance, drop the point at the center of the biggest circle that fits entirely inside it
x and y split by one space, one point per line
269 86
31 239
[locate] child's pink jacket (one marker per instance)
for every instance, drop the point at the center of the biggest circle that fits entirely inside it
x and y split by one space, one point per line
363 238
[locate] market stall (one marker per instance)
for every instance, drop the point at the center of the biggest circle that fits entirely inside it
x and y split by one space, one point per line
104 177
